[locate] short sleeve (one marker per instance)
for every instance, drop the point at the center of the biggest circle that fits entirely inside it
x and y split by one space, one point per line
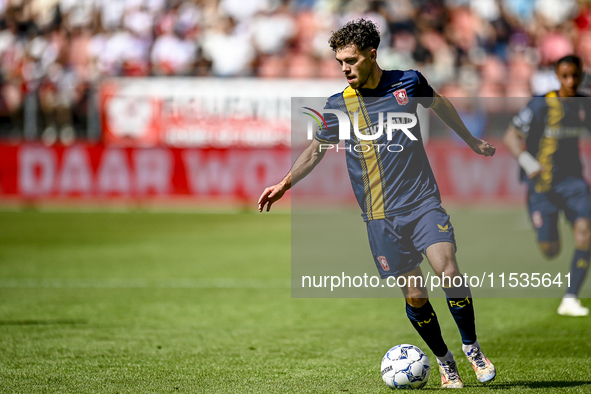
524 119
587 112
328 132
424 91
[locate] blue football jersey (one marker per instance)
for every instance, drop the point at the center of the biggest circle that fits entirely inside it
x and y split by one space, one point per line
551 126
390 176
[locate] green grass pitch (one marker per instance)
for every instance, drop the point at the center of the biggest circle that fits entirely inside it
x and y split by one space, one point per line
145 302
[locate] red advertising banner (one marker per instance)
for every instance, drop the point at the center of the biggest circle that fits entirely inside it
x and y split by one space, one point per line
32 171
95 171
202 112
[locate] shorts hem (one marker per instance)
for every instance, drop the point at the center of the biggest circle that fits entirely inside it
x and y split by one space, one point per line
399 272
584 216
548 240
424 251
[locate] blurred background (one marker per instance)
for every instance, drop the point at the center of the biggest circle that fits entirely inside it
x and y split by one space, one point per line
137 135
172 98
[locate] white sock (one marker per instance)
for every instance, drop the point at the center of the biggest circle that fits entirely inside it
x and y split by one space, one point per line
468 348
570 295
449 357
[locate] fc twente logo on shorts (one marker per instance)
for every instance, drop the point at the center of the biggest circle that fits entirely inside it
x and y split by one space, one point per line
384 263
443 229
401 96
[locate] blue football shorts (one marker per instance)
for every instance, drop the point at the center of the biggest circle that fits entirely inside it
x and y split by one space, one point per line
398 243
570 195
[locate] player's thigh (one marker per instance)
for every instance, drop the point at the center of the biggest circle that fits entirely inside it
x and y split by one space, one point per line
434 236
442 257
577 200
391 252
543 213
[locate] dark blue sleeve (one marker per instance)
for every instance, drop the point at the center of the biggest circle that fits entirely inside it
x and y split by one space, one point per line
528 118
587 112
424 91
328 135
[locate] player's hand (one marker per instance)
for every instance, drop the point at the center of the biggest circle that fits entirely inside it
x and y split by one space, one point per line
482 147
270 195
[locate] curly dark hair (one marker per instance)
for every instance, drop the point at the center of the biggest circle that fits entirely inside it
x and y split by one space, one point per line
361 32
570 59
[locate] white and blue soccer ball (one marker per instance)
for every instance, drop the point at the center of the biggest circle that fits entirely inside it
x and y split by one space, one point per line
405 367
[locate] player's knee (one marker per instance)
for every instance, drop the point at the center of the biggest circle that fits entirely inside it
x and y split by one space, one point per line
416 296
447 268
582 233
550 249
445 264
417 302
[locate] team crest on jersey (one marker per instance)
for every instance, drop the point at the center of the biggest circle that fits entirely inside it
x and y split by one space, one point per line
536 218
401 96
384 263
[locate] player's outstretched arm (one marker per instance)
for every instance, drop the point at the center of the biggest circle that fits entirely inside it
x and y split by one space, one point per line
305 163
516 145
445 110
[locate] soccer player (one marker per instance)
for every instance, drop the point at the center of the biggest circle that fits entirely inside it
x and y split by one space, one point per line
396 189
544 138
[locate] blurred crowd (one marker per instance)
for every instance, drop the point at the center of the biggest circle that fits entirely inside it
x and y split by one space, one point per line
57 50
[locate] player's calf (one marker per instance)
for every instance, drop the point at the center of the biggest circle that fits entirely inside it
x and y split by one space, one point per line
425 322
461 307
570 304
582 233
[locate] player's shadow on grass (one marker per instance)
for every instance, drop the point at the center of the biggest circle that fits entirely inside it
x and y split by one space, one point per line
40 322
540 385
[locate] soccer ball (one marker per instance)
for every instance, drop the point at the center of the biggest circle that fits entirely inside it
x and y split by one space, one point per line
405 367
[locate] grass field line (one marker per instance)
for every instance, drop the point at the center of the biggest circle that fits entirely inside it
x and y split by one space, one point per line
128 283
